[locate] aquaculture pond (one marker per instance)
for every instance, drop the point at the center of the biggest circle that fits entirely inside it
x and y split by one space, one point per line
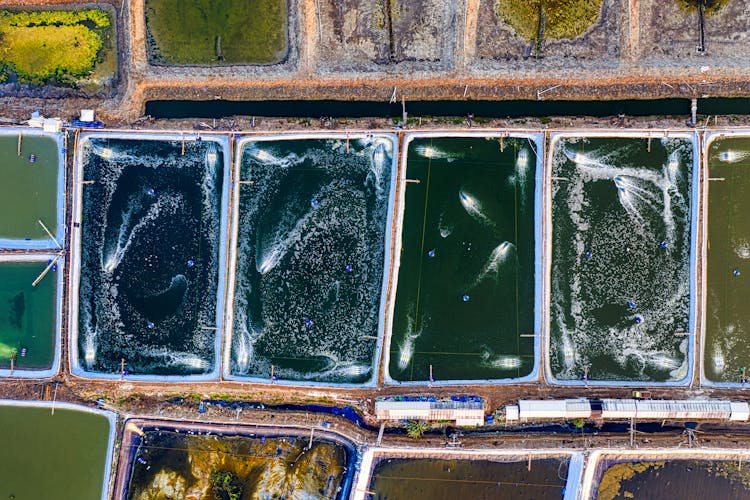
217 31
311 254
61 455
28 316
152 252
29 191
683 479
727 346
408 478
179 465
465 297
620 307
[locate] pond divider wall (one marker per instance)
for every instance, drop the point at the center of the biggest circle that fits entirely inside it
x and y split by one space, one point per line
59 279
222 141
537 139
694 244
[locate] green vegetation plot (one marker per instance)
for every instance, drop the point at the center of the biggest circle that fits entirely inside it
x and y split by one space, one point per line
710 7
563 18
188 31
40 46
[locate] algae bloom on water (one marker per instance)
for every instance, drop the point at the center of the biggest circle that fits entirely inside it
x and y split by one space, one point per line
43 45
175 465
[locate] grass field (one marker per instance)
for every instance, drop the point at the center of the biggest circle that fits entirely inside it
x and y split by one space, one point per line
217 31
59 46
563 18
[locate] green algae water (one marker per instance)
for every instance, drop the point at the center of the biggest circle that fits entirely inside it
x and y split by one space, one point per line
465 293
61 456
621 246
727 348
27 316
405 479
311 257
683 479
217 31
28 192
174 465
150 256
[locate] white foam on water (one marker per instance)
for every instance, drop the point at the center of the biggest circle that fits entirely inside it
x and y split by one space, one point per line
170 358
501 361
473 207
406 347
733 156
281 242
444 229
434 153
742 248
718 359
492 267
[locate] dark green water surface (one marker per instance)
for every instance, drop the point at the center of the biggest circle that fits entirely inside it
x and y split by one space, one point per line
61 456
27 316
406 479
621 240
310 261
465 293
727 348
150 256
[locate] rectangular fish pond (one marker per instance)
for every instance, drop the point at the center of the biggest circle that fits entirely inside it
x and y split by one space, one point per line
30 314
449 475
683 475
312 226
32 194
203 461
149 256
62 452
726 350
468 295
622 279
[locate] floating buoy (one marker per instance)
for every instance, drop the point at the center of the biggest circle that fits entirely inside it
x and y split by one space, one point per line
23 352
150 324
465 297
349 268
32 158
141 460
190 263
314 203
54 268
663 244
431 253
308 322
638 319
589 253
151 192
736 272
631 304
